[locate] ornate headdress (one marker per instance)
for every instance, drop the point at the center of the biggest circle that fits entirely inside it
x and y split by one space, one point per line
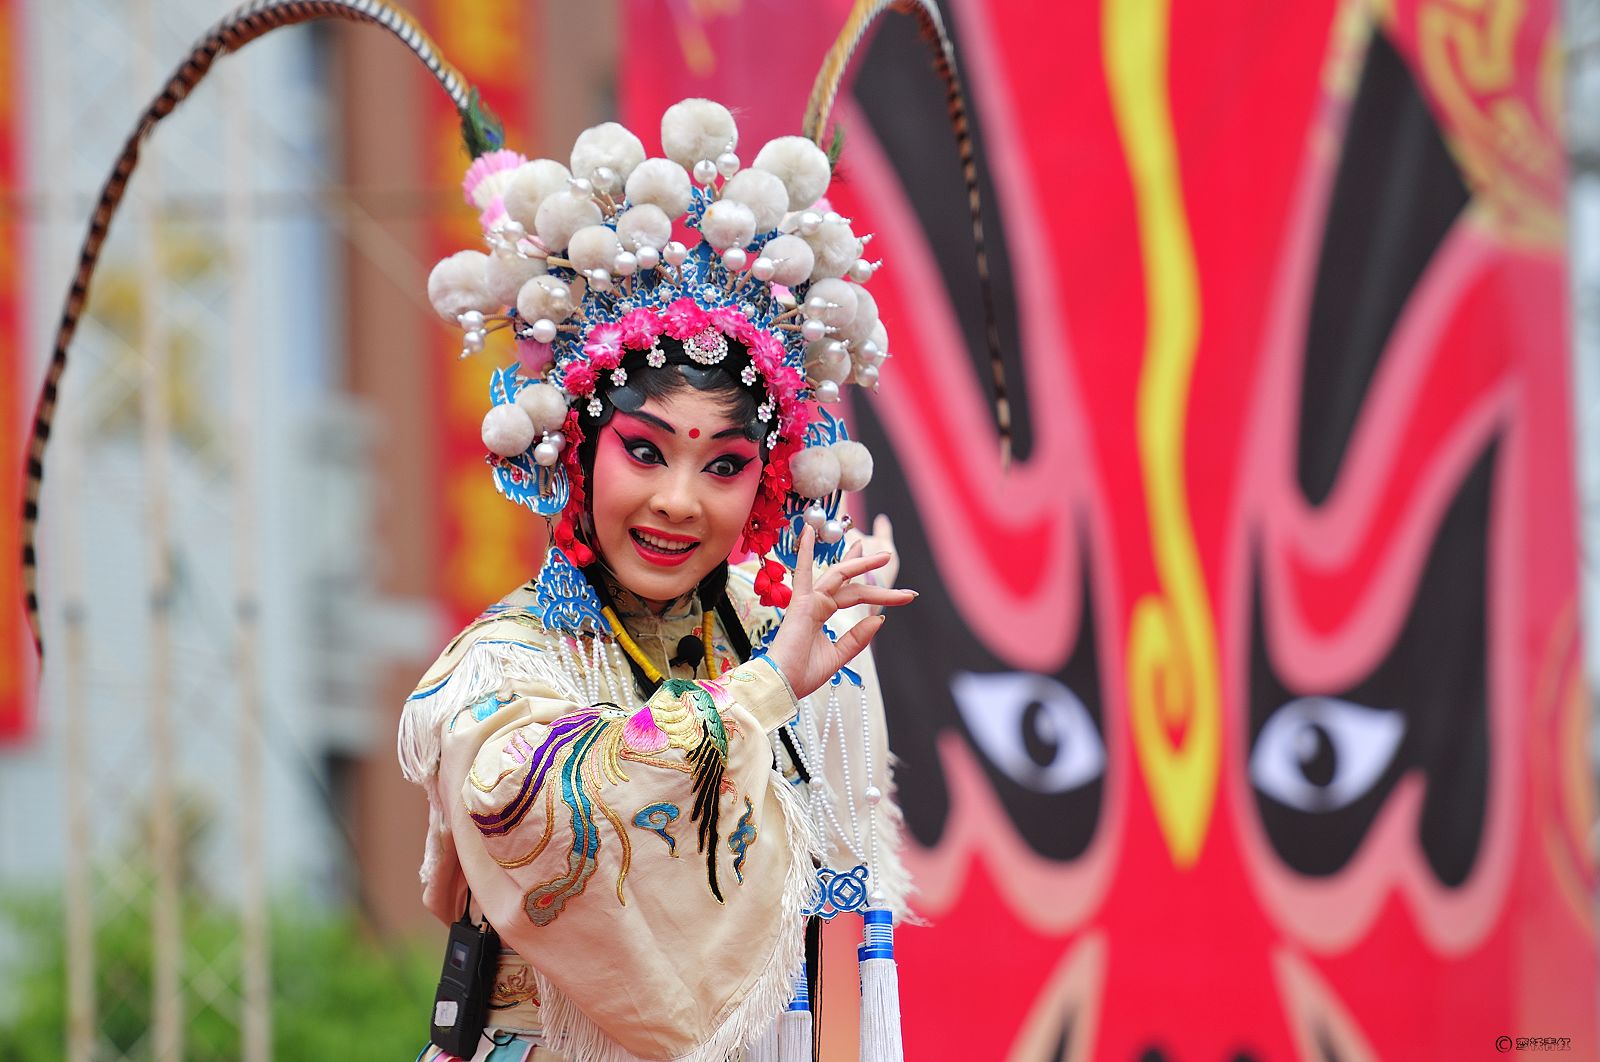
584 269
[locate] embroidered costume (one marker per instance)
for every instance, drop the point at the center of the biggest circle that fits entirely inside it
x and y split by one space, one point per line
648 867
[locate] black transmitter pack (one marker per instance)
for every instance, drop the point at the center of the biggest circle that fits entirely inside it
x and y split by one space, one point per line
461 1002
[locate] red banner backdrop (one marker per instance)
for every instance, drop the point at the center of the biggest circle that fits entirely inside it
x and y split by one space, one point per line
481 537
16 649
1257 728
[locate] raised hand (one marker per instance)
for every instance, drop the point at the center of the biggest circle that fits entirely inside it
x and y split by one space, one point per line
880 540
806 655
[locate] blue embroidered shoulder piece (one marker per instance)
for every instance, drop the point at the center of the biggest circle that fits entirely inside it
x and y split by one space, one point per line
564 599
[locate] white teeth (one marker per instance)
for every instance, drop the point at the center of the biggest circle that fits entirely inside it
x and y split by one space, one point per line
662 544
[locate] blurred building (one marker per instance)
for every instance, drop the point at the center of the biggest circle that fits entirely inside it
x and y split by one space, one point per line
348 183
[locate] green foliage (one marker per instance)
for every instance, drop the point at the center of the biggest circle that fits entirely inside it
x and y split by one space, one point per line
336 993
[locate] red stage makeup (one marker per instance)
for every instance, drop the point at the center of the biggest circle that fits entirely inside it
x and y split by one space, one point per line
670 500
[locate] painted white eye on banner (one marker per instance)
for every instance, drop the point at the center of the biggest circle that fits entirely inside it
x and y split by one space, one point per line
1321 753
1032 727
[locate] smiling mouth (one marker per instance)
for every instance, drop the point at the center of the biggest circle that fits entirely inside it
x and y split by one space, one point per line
662 549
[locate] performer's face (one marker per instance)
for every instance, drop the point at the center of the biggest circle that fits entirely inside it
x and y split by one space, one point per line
672 489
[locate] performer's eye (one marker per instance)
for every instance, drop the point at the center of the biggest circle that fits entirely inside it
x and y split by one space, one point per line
1032 727
1320 754
728 465
641 450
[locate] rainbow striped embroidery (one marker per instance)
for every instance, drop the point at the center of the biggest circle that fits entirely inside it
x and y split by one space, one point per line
578 756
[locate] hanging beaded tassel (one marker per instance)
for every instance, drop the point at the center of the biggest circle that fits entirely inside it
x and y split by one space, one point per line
766 1048
794 1024
880 989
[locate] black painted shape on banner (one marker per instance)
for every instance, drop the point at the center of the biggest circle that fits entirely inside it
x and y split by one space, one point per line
1396 195
904 100
1434 680
920 653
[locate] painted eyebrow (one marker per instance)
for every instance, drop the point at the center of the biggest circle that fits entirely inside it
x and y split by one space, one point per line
651 418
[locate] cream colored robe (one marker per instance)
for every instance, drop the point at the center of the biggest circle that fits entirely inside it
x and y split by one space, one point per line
572 824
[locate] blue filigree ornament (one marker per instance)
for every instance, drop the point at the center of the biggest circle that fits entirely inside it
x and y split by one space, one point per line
526 482
844 672
564 599
520 478
838 892
825 430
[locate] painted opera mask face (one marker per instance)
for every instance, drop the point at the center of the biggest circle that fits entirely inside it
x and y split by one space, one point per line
672 487
1251 725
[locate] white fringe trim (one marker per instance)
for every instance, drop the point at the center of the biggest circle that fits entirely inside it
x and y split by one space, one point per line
569 1031
482 670
765 1048
433 846
890 873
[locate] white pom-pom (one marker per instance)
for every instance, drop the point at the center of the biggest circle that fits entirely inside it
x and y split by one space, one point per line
728 224
860 328
593 247
608 146
835 246
545 298
815 471
531 184
507 431
855 464
507 273
762 192
461 283
792 259
838 301
696 129
646 225
545 406
800 165
563 214
661 183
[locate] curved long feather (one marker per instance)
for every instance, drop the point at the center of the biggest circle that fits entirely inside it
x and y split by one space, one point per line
820 107
481 131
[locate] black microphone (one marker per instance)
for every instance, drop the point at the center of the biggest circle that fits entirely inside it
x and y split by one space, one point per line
691 651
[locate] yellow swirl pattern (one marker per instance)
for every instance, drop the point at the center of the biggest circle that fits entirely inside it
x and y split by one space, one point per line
1173 690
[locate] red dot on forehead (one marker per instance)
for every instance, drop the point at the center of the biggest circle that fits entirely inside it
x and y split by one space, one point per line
694 433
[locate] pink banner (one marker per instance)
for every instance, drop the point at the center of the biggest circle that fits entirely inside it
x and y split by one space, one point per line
1243 717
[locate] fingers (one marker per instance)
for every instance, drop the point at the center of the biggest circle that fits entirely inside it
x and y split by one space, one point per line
882 528
856 639
851 567
852 594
